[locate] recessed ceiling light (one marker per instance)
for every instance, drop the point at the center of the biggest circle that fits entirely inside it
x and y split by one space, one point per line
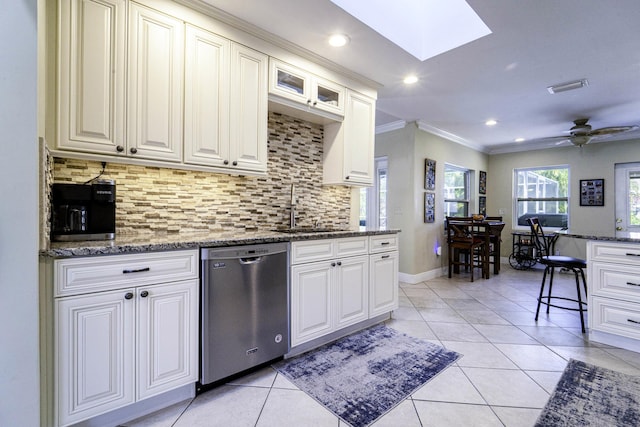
491 122
519 140
338 40
411 79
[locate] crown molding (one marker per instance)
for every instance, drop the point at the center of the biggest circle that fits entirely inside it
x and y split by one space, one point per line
389 127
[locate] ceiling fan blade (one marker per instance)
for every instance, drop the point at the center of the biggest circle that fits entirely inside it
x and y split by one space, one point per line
611 130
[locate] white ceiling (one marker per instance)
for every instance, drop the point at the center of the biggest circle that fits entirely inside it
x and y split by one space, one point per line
502 76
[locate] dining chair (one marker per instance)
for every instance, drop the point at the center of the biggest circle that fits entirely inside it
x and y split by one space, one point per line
461 240
495 242
545 256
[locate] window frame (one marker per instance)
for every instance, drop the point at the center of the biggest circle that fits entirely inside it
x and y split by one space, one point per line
516 199
466 201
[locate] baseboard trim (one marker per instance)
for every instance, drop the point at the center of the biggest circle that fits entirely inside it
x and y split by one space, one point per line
412 279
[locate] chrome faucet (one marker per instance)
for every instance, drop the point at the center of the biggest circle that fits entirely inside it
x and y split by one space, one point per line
292 218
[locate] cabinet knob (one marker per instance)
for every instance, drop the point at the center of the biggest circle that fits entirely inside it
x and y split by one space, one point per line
315 103
333 264
133 150
144 294
339 263
308 101
226 162
235 163
119 148
346 177
128 295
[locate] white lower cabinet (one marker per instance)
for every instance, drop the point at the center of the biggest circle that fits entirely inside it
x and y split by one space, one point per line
328 295
614 293
383 294
116 347
337 283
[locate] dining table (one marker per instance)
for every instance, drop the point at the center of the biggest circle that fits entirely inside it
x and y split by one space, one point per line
491 232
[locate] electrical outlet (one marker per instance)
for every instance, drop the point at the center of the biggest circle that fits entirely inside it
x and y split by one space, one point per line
501 211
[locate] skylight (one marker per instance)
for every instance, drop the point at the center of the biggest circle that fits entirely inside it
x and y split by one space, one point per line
423 28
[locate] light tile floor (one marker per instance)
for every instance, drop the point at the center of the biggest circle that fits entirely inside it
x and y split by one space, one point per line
510 363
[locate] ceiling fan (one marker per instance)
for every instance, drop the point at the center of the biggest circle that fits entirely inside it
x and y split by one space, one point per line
581 133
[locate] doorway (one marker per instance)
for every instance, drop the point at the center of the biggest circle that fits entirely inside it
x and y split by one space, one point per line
627 188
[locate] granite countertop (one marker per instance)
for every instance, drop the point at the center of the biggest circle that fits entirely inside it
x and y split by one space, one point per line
136 243
626 236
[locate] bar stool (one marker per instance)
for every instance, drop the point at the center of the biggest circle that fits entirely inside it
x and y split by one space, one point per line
576 265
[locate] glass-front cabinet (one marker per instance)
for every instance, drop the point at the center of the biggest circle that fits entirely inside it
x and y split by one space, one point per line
305 88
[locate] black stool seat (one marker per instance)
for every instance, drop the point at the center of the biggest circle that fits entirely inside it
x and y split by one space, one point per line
563 261
551 262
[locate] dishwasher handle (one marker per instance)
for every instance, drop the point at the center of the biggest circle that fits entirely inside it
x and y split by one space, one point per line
250 260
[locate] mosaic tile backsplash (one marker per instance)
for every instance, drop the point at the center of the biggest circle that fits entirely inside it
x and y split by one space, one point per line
151 199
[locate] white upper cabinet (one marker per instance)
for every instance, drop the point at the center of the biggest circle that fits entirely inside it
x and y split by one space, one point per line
91 78
248 133
222 130
307 90
156 43
349 145
206 98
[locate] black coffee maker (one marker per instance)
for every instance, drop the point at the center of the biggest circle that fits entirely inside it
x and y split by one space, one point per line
83 211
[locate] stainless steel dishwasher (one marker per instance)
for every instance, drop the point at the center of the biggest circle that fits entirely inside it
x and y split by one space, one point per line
244 308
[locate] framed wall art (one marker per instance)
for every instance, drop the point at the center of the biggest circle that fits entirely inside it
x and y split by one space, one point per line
429 175
482 183
429 207
482 205
592 192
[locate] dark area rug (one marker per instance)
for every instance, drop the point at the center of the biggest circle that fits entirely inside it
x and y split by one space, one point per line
588 395
363 376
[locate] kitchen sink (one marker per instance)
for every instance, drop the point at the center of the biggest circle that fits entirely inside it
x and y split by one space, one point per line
306 230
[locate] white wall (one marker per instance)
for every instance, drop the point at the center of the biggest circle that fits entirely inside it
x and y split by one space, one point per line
407 150
19 376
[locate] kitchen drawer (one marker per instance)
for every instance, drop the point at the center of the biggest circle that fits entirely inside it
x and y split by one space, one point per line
383 243
311 250
621 253
351 246
615 317
73 276
615 281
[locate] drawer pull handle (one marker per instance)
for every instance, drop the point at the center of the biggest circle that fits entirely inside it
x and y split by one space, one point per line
384 243
630 254
633 321
385 256
136 270
633 284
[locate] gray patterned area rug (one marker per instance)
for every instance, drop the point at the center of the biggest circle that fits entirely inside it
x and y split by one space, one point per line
588 395
363 376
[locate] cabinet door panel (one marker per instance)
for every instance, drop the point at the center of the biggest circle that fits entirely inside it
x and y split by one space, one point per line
384 283
167 337
92 75
311 296
206 102
248 133
359 139
94 350
352 285
155 84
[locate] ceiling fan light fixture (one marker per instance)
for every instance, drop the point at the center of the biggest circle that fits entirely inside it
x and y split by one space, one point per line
563 87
